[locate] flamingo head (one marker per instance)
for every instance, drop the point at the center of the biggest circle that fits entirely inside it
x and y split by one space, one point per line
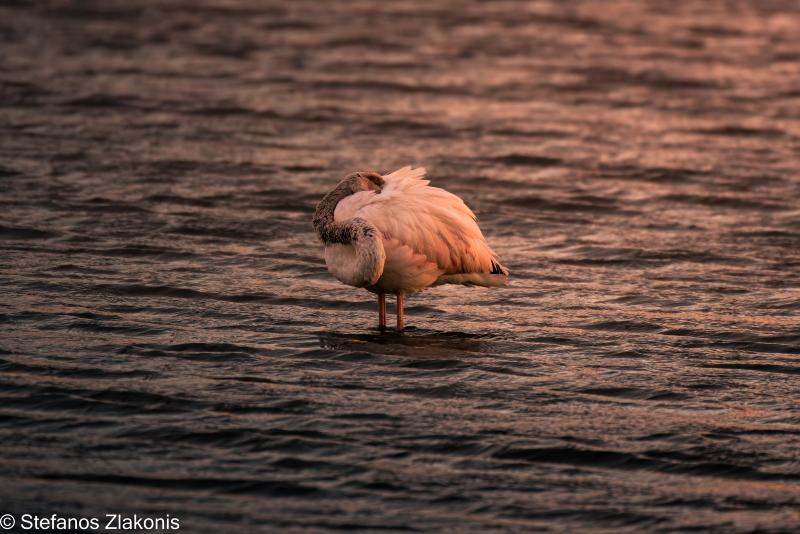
362 181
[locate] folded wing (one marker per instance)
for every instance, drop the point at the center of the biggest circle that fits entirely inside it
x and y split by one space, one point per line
428 220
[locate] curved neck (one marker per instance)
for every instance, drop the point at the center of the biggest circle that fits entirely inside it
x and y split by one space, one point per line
326 227
358 232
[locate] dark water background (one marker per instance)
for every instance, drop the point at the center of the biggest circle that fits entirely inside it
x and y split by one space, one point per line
171 342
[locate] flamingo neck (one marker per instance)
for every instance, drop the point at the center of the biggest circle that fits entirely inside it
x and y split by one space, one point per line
325 226
359 233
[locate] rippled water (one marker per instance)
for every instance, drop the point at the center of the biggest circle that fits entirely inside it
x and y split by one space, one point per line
171 341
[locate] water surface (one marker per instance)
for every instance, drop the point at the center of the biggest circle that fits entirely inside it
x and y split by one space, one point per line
171 341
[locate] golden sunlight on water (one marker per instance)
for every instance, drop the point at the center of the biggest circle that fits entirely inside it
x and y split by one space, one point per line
171 341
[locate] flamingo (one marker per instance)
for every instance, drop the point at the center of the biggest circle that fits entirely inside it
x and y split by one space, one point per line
396 235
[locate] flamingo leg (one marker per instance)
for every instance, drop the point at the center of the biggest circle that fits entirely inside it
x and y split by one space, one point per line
399 313
382 311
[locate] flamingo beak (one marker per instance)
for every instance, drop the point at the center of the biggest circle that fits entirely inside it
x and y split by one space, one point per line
380 183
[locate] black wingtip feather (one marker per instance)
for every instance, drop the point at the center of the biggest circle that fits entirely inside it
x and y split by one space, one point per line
496 269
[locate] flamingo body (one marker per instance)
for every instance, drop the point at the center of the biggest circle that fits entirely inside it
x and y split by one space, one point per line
406 236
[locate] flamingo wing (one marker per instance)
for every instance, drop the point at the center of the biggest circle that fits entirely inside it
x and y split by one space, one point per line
428 220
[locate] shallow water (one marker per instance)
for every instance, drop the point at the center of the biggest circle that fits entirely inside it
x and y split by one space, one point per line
172 343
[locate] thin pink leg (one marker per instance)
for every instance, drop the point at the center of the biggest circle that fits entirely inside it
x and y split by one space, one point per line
382 311
399 313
